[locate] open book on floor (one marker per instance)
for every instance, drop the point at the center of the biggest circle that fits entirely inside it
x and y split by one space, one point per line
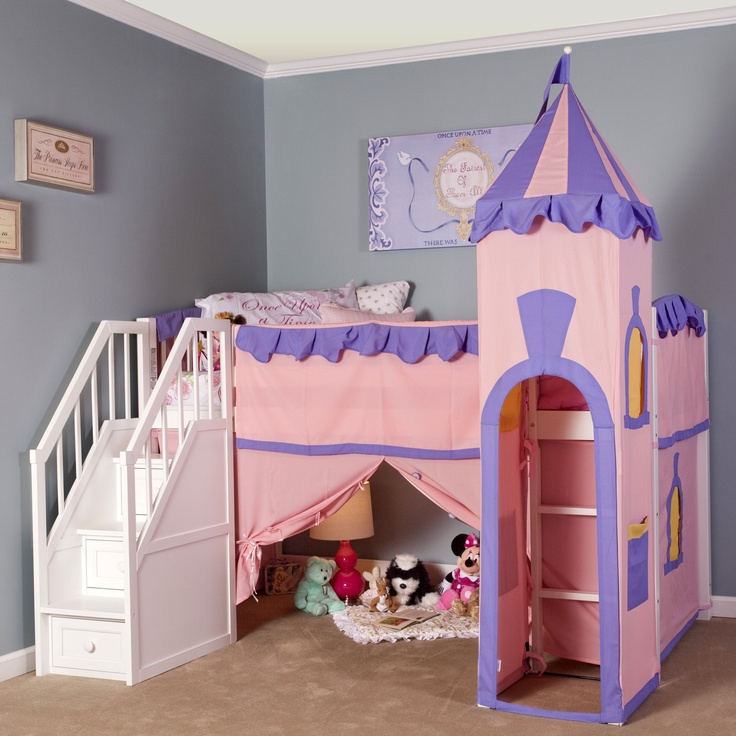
401 619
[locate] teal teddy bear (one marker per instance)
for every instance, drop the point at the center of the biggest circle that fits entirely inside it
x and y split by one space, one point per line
314 594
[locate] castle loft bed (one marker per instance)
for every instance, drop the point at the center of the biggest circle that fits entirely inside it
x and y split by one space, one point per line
562 490
317 408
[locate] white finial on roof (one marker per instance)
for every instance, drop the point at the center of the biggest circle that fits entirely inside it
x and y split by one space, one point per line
567 49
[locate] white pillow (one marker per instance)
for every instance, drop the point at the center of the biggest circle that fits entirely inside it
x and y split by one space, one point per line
333 314
383 298
277 307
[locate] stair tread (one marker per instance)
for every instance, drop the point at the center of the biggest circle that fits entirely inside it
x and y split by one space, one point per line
90 606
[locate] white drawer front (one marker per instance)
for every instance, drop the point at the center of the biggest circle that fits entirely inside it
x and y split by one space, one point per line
87 645
105 564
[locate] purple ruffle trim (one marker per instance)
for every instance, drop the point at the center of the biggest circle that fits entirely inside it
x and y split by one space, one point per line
409 343
675 313
608 211
168 324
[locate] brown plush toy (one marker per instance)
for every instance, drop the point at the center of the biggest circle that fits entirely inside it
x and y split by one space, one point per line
383 602
471 608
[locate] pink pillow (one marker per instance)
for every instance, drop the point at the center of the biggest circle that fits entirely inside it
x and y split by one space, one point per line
278 307
333 314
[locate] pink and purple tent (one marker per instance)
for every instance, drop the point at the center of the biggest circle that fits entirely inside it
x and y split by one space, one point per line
564 276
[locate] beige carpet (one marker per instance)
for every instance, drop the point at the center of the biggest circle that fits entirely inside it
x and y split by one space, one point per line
291 673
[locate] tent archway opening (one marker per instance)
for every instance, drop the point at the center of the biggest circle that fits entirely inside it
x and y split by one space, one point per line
548 599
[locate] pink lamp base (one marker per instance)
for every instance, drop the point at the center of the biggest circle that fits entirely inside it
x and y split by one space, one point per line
347 582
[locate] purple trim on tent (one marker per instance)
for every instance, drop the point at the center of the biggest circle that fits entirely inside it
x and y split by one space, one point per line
683 434
675 313
410 344
560 75
354 448
526 710
638 571
675 489
639 698
635 323
545 317
574 211
591 195
168 324
605 473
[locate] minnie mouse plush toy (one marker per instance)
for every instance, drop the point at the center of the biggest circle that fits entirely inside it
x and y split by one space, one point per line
465 578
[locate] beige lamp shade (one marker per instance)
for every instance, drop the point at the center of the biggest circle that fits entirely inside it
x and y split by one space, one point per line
354 520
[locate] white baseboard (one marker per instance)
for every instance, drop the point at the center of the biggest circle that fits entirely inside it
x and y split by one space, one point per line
17 663
723 606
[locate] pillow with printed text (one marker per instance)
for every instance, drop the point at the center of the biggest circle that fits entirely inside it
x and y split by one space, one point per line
277 307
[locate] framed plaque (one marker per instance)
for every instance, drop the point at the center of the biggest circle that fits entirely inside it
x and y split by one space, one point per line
47 155
10 235
423 188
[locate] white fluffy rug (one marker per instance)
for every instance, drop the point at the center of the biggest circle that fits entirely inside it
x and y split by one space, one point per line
360 624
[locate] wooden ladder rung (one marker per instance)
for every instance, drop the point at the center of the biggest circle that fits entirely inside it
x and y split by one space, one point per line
569 595
567 510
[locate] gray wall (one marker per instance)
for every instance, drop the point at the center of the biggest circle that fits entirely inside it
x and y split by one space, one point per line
179 212
666 105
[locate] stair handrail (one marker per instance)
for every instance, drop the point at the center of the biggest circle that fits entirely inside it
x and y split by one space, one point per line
101 340
194 330
85 379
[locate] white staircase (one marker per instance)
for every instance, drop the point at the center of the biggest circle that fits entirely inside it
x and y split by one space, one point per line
134 545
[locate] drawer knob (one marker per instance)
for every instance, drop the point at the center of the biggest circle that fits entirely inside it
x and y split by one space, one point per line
89 647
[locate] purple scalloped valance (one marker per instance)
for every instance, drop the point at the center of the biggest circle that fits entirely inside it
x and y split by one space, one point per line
168 324
675 313
608 211
409 343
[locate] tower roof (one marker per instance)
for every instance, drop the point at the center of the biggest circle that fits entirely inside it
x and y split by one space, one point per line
566 172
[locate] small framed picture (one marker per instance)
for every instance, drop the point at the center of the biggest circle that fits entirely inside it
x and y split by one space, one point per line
47 155
10 237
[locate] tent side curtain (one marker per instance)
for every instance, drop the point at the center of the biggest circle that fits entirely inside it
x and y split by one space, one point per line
375 403
279 495
318 409
681 381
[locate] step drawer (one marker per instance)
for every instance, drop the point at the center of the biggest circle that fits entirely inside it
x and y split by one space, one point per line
85 644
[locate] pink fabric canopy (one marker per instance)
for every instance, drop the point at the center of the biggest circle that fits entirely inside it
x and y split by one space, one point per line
310 430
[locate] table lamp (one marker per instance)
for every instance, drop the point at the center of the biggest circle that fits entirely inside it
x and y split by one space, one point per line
353 520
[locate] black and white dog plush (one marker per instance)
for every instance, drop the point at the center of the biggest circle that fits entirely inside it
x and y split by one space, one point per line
409 582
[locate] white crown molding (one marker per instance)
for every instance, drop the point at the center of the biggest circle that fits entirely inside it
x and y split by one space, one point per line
511 42
134 16
154 24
